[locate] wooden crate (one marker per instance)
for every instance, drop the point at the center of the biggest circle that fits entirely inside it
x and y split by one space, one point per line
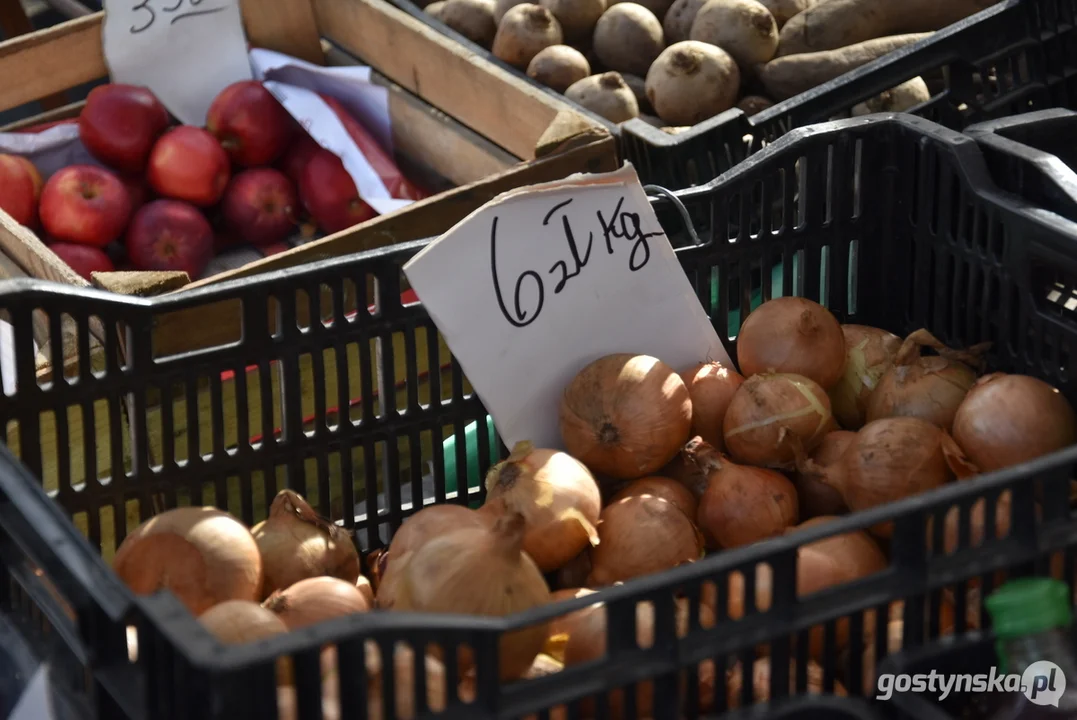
453 114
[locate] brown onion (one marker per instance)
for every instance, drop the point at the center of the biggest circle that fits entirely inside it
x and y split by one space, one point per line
575 571
891 459
1011 419
765 409
761 682
641 535
792 335
693 465
710 386
315 600
235 622
745 504
203 556
366 589
583 634
662 487
427 524
869 352
375 563
557 496
480 571
296 544
930 388
625 415
817 497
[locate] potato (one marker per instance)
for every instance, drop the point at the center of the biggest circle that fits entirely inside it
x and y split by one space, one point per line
907 95
678 21
692 81
628 37
743 28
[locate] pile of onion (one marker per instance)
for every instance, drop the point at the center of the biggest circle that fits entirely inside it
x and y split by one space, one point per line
296 543
625 415
745 504
480 571
769 407
1010 419
203 556
640 535
869 352
711 386
427 524
818 497
761 682
556 495
663 487
927 387
315 600
792 335
580 637
891 459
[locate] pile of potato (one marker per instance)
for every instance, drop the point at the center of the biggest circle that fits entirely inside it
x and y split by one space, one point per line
674 63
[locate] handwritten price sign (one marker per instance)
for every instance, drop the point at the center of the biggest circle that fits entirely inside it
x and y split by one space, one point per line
186 51
536 284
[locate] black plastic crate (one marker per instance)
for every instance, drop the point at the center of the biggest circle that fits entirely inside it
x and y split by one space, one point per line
889 221
1010 58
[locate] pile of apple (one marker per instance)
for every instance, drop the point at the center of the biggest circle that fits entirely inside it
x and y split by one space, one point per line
171 196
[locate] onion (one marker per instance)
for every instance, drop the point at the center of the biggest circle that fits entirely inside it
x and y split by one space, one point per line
895 635
203 556
977 523
584 640
574 573
429 523
557 496
315 600
792 335
930 388
891 459
296 544
766 409
710 386
664 488
234 622
375 564
745 504
641 535
816 496
693 465
761 682
480 571
1011 419
365 589
625 415
869 353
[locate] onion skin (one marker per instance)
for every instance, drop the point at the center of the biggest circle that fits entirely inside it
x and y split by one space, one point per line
480 571
625 415
792 335
817 498
711 386
1011 419
869 353
693 465
316 600
203 556
557 496
891 459
664 488
745 504
765 408
641 535
930 388
295 544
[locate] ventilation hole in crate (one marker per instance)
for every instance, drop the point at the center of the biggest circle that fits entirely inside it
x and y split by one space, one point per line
98 350
799 258
330 391
735 220
829 216
273 317
756 210
42 320
70 337
372 290
207 426
328 306
824 276
857 175
50 471
852 277
303 311
11 437
801 170
155 438
778 203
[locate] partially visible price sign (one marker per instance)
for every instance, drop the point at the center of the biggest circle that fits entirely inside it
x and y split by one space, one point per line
185 51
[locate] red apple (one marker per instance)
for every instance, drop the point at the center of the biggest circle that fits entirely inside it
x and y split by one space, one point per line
259 206
250 123
35 176
329 193
188 163
85 204
18 195
83 259
297 156
170 235
120 123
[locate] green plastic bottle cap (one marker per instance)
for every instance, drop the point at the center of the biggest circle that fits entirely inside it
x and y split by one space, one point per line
1029 606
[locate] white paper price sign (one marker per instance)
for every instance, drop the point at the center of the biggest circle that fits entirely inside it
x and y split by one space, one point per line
539 282
185 51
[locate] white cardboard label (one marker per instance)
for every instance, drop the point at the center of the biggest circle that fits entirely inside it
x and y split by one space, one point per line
539 282
185 51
